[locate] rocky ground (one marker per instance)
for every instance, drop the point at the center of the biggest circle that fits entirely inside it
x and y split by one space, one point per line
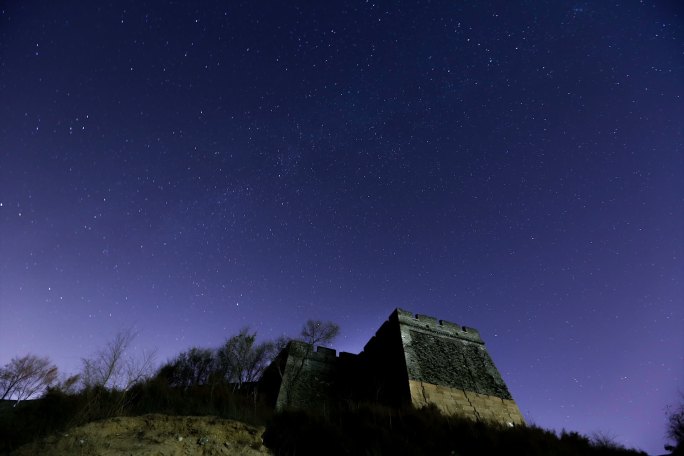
157 435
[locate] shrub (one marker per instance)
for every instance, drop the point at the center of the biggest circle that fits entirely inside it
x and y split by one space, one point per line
374 430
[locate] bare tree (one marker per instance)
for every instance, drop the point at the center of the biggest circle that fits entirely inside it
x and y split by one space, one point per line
605 440
317 332
242 360
138 369
67 384
105 368
24 377
675 429
277 346
114 367
194 367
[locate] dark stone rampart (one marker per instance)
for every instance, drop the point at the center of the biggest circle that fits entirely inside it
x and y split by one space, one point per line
412 359
437 327
454 363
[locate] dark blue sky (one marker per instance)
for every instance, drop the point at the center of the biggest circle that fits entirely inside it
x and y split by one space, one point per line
187 168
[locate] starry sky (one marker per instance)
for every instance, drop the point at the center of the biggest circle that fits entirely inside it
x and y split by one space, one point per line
188 168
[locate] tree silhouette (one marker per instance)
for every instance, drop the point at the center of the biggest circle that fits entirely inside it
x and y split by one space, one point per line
242 360
25 377
113 367
191 368
675 429
317 332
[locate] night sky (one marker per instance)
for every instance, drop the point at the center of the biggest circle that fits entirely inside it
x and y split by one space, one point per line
188 168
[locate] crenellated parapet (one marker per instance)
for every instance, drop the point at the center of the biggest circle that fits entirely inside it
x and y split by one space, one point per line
441 327
412 359
313 353
448 365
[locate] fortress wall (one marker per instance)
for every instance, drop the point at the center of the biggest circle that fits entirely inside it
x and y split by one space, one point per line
467 404
308 377
411 360
384 378
449 366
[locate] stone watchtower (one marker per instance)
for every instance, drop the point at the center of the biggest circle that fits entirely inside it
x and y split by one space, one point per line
412 360
441 363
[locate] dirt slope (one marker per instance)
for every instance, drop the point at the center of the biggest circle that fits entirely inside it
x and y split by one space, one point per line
154 435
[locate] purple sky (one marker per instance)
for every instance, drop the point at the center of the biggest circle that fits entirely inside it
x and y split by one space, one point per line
189 168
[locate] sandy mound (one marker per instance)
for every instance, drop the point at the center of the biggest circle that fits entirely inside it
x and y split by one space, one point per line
154 435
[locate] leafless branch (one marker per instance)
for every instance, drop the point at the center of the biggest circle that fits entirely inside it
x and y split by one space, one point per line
317 332
25 377
114 366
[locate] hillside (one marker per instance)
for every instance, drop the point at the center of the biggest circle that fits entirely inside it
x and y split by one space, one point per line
153 434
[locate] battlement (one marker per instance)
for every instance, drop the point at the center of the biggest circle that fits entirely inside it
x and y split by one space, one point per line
412 359
315 353
441 327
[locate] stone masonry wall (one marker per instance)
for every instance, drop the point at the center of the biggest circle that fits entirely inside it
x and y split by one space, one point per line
383 368
448 365
308 377
458 402
412 360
